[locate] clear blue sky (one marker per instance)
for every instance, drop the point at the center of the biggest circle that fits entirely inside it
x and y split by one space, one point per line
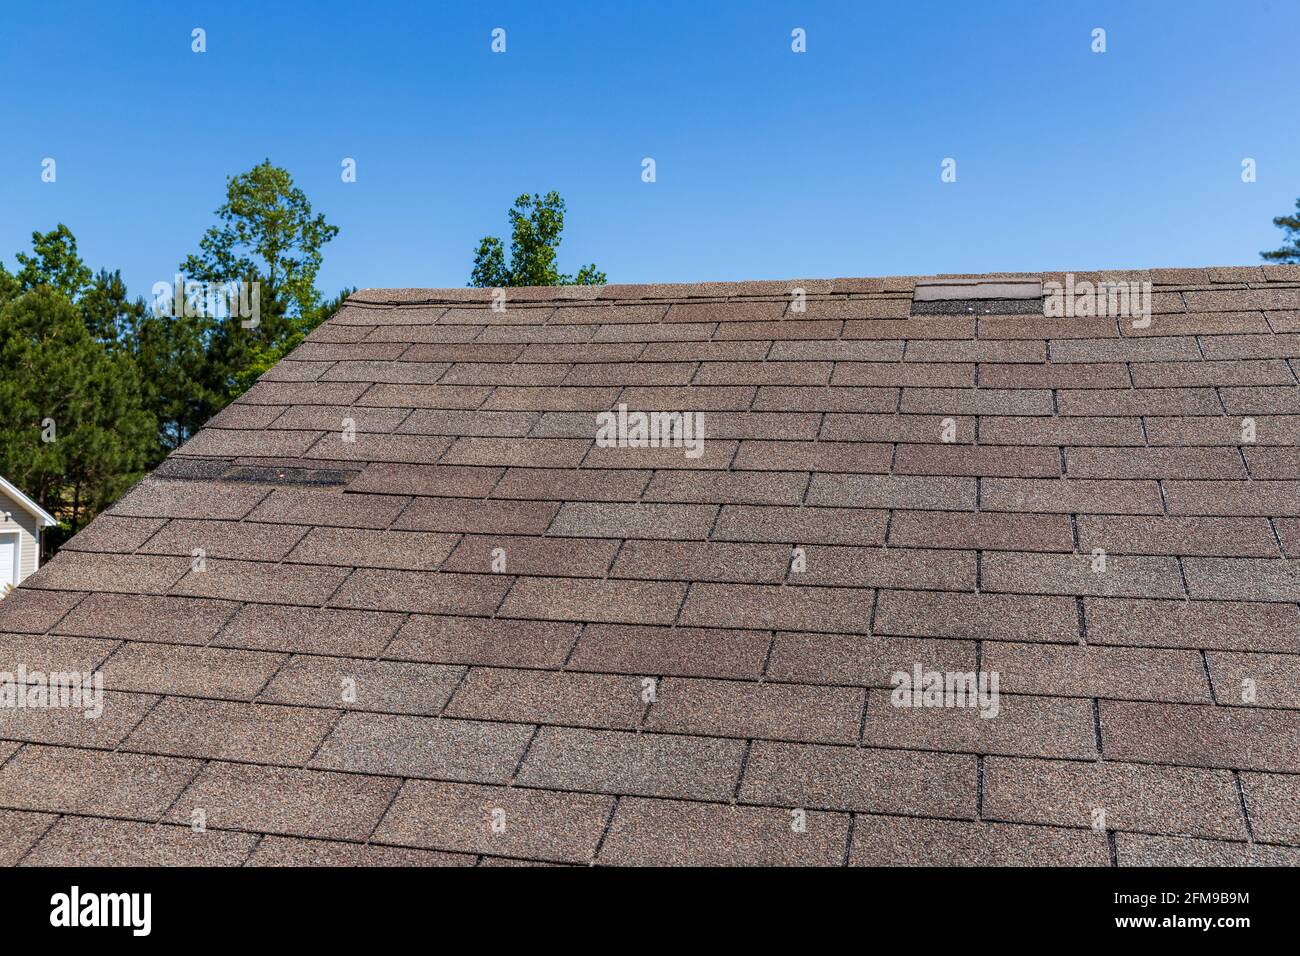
770 164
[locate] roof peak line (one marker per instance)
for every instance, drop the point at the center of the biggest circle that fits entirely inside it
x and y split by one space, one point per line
884 286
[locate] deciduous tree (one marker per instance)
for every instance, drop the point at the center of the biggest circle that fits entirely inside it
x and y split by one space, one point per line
54 262
267 235
535 226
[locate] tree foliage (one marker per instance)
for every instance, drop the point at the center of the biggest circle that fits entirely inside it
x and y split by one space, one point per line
171 355
74 430
1290 250
54 263
267 234
111 317
264 357
535 226
9 285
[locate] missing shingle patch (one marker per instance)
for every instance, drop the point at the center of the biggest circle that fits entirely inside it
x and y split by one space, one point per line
262 474
192 469
978 297
224 469
979 307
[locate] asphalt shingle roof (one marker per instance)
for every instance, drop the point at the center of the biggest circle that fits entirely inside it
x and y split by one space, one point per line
680 654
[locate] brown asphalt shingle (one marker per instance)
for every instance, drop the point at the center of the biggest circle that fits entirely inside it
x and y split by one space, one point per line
902 841
473 636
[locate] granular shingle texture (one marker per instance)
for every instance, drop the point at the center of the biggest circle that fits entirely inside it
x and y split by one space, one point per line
437 622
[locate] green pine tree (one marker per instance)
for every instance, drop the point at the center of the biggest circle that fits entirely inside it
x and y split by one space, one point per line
74 432
1290 250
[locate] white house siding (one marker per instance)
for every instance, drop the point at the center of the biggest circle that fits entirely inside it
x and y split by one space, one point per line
27 526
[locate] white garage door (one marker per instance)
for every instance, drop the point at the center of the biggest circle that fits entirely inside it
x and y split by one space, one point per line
8 559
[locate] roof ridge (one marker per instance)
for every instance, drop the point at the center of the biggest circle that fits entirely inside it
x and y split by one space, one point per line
1206 276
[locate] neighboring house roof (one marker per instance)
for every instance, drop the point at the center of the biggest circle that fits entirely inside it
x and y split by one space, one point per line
31 507
649 680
